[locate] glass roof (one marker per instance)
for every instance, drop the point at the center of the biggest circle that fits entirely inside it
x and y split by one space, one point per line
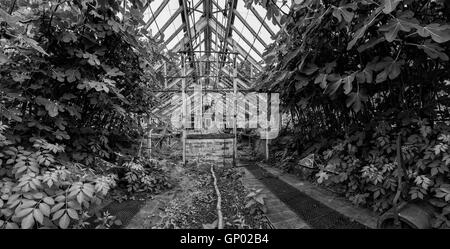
249 28
212 29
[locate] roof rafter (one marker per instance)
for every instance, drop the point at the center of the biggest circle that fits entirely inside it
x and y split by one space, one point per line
262 21
156 14
170 21
187 30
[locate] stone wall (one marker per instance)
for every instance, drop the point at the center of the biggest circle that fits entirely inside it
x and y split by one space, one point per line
216 150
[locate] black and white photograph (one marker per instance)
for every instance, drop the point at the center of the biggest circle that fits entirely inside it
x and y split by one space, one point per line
220 122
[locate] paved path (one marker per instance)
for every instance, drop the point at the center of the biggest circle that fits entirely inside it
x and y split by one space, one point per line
293 203
280 215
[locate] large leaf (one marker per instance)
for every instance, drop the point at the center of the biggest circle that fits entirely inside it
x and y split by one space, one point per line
390 68
361 31
300 81
370 44
347 80
50 106
366 75
322 79
27 222
439 33
434 50
390 5
398 24
336 83
355 100
344 12
32 43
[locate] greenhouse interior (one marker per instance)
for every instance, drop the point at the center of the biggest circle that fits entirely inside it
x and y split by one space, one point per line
232 114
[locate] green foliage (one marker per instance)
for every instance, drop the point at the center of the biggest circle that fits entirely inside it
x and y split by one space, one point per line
76 73
352 77
143 176
255 202
75 80
105 221
369 173
40 190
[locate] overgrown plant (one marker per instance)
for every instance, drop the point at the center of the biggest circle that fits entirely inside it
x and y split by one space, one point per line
356 76
255 202
146 176
39 190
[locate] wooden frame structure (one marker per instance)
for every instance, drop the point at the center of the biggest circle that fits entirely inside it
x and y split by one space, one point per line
201 30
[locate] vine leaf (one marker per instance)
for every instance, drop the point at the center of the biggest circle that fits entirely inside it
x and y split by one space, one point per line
32 43
321 176
309 69
397 24
69 37
373 42
360 32
343 12
390 5
72 75
439 33
112 71
322 79
329 66
332 88
50 106
390 67
355 100
366 75
434 50
348 83
301 81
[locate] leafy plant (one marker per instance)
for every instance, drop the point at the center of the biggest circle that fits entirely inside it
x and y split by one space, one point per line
149 177
39 190
105 221
366 86
255 202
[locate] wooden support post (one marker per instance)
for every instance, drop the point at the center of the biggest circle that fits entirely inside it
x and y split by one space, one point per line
150 144
165 75
183 96
267 132
235 106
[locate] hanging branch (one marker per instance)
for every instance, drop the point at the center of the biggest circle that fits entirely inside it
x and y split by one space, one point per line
219 201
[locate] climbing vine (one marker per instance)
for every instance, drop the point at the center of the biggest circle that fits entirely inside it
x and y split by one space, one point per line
365 85
75 79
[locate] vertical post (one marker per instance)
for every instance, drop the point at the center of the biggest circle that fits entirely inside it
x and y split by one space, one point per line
183 96
267 128
150 144
165 74
201 97
234 103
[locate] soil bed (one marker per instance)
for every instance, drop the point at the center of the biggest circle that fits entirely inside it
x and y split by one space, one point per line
194 206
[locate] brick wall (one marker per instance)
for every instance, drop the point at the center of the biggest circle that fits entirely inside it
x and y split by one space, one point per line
215 150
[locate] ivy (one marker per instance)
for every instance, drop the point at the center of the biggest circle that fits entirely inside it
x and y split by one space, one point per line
76 78
381 73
